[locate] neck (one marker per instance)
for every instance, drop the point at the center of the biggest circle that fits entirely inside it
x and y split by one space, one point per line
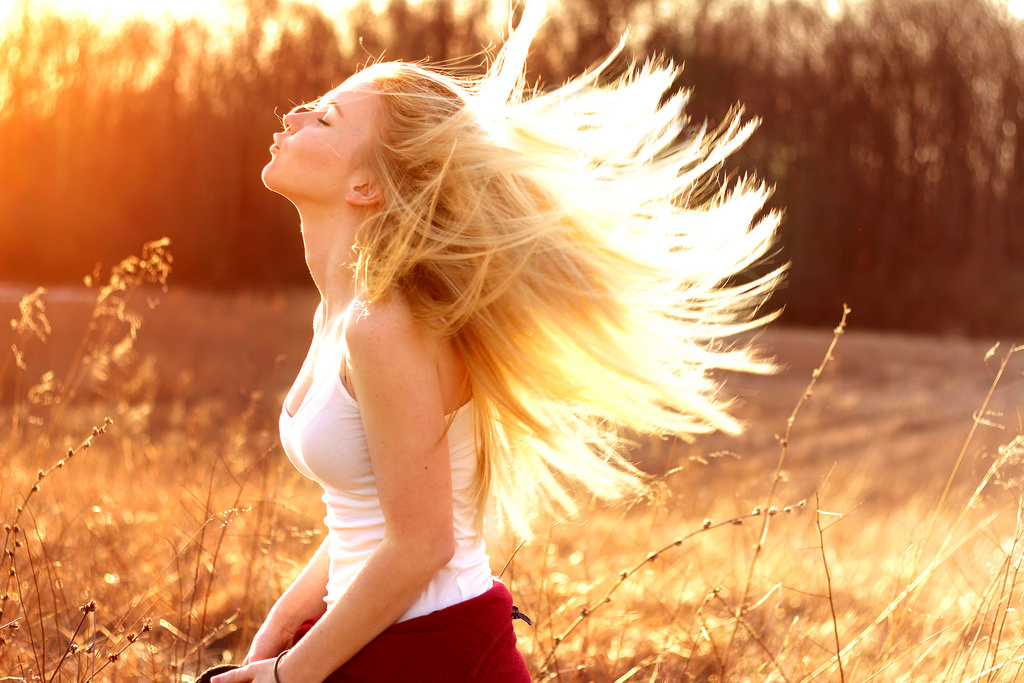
329 237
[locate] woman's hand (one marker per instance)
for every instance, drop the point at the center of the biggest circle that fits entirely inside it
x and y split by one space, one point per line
268 642
261 671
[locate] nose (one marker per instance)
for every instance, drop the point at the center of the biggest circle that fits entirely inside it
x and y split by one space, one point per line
289 120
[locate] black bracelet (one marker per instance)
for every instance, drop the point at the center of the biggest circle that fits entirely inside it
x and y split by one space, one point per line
277 662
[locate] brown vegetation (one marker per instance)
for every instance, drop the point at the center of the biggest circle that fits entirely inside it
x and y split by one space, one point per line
891 132
885 525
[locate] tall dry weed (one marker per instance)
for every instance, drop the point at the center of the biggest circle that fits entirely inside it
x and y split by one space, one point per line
163 547
57 622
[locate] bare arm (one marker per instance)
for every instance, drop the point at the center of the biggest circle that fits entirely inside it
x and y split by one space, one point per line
394 372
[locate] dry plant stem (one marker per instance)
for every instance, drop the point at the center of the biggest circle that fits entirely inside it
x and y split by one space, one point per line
930 644
1007 587
7 364
828 584
994 595
218 631
13 529
15 431
47 565
36 572
698 615
130 640
946 553
549 621
970 437
757 638
660 493
225 520
899 610
1020 668
511 557
125 278
978 418
949 546
196 539
197 569
266 494
11 544
31 323
36 654
995 669
86 610
625 575
784 445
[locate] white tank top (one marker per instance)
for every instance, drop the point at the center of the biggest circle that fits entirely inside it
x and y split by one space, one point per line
324 439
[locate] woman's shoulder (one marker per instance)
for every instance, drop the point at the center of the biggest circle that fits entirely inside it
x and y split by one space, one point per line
391 315
384 338
372 327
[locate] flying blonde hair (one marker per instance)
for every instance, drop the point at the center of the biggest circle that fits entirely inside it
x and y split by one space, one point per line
573 246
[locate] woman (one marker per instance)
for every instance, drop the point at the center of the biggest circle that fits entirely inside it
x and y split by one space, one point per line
507 282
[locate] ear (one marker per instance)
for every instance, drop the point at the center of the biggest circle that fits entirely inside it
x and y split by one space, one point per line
363 194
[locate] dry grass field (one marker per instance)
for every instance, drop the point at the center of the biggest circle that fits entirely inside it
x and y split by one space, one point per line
886 527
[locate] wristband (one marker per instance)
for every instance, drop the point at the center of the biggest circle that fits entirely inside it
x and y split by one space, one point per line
277 662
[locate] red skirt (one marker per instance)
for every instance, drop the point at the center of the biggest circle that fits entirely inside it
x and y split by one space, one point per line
472 641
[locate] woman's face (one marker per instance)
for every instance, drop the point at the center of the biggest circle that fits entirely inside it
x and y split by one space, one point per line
321 155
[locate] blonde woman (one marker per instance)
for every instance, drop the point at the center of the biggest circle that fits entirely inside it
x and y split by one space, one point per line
508 280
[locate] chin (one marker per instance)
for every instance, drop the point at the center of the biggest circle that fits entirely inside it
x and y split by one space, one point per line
267 170
267 176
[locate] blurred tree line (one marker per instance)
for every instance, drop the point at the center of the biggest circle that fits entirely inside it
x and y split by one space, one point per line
891 132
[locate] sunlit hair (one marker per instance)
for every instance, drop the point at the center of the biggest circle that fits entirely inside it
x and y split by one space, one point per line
573 246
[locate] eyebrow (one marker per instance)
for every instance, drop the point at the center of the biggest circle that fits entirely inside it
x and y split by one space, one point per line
337 107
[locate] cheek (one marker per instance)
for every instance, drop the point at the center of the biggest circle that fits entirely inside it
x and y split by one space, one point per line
313 156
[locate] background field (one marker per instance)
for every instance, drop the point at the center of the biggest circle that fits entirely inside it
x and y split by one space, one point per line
185 519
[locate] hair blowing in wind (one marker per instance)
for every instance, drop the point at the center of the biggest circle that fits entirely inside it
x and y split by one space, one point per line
580 249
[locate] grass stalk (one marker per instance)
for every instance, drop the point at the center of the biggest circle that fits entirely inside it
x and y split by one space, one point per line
828 585
776 477
899 613
86 609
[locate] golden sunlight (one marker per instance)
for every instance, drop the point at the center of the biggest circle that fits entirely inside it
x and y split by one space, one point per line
112 13
117 11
